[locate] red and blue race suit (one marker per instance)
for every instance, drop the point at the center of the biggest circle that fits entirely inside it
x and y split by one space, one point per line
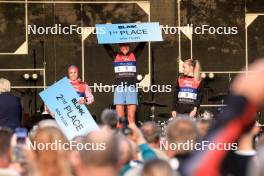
125 65
83 90
187 95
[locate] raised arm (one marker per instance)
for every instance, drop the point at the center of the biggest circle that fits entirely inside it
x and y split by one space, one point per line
138 50
110 51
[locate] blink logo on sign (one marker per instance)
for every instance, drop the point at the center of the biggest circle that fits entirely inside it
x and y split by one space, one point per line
73 119
129 32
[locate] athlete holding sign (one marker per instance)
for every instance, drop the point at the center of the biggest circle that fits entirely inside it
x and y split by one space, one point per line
83 90
125 78
188 91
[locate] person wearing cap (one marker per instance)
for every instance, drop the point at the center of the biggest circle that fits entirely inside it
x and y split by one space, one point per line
83 90
124 63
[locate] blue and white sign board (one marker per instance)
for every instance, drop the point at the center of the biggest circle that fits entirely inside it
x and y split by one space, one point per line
128 32
62 100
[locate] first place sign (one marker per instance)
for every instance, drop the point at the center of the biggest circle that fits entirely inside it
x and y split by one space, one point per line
128 32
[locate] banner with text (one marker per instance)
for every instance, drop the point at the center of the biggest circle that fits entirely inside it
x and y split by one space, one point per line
62 100
128 32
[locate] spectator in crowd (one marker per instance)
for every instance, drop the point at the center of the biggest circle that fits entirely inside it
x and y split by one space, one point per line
74 153
157 167
237 161
260 137
109 118
5 153
10 106
256 165
102 159
138 138
203 126
146 153
180 131
151 133
49 161
127 152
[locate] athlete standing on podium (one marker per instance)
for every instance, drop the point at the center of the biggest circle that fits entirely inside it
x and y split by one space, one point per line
188 91
124 63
